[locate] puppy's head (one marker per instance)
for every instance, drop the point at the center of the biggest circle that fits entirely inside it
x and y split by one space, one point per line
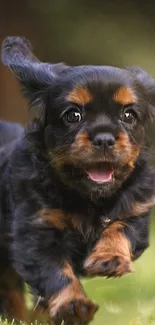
94 117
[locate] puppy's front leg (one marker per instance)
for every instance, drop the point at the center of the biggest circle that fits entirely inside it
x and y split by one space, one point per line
42 260
71 304
112 254
120 243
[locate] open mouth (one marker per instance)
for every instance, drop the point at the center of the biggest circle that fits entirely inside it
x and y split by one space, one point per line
100 173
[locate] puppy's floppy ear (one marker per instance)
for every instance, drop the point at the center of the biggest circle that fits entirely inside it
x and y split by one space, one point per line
34 76
147 84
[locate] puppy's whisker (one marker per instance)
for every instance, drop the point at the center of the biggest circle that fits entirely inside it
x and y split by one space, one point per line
46 166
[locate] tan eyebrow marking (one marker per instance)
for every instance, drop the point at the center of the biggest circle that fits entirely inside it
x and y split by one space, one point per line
80 95
124 96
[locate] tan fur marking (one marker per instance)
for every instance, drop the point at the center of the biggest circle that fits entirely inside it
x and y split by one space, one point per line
56 217
82 141
62 220
67 270
124 96
80 95
129 150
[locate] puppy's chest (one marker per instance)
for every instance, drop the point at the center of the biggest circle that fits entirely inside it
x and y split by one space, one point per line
79 217
84 224
88 226
80 227
80 236
79 223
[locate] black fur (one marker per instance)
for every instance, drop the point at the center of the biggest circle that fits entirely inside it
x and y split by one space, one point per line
31 179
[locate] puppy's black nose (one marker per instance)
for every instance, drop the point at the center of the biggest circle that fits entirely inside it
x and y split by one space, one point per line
104 140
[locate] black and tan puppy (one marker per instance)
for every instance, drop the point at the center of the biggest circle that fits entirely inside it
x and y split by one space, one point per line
76 191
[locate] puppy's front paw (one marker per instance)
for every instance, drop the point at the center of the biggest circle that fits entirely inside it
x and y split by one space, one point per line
112 254
109 265
72 307
75 312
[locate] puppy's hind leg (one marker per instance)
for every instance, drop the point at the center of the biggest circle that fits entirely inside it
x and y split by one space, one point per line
12 301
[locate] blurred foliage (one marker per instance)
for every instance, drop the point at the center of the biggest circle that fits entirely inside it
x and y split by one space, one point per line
85 32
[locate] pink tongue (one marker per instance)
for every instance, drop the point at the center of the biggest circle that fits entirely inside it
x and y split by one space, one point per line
102 175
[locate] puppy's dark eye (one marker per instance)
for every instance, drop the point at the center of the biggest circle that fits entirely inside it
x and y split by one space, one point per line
128 116
73 116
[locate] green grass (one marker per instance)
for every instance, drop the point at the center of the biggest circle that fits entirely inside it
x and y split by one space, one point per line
129 300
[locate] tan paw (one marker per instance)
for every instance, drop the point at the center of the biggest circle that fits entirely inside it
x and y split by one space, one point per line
72 307
108 265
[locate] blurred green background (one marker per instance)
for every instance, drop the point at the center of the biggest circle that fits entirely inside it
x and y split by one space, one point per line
118 33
